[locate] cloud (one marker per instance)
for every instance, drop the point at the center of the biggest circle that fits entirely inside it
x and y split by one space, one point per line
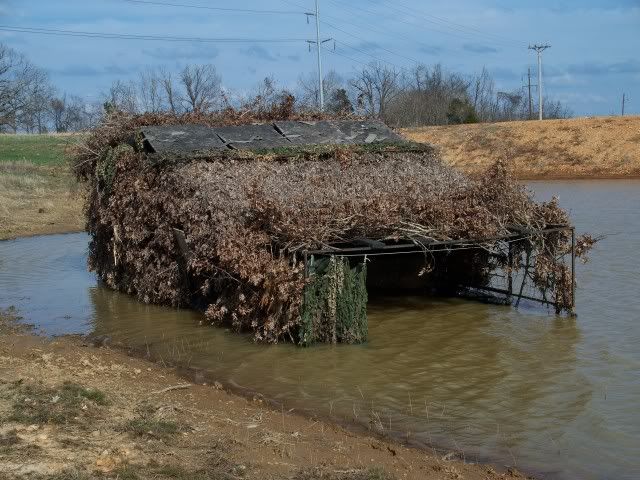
5 7
368 46
503 73
196 52
431 49
88 71
256 51
474 48
595 68
583 98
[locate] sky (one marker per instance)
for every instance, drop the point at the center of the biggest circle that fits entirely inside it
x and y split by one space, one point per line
594 56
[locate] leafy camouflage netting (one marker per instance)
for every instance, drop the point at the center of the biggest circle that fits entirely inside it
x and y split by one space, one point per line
335 303
247 218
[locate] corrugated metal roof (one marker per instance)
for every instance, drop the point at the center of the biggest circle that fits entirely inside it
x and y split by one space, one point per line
191 138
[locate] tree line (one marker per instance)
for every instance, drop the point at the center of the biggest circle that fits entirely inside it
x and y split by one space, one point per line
421 95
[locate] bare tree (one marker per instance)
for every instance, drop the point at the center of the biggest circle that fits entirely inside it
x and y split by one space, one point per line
150 91
33 117
309 91
70 113
172 98
22 89
202 88
58 107
482 95
427 97
122 96
376 86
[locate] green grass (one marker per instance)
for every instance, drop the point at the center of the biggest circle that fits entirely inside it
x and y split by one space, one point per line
148 426
36 404
36 149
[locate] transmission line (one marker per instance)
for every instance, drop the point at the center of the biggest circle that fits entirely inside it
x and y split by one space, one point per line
206 7
346 32
471 30
359 10
127 36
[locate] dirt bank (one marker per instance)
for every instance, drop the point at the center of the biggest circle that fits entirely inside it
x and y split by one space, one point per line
70 410
603 147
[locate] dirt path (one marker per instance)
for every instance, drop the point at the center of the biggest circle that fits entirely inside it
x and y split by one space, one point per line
70 410
602 147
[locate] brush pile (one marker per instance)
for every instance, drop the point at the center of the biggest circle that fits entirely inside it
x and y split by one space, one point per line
247 218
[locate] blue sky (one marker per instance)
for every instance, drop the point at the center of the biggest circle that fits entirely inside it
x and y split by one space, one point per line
595 54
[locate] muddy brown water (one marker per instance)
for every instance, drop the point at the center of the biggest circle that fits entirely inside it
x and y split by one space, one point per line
546 394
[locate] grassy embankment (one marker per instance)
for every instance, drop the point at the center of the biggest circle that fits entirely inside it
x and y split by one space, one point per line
38 193
590 148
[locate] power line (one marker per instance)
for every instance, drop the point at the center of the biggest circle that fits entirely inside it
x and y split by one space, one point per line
333 52
454 25
222 9
346 32
126 36
358 10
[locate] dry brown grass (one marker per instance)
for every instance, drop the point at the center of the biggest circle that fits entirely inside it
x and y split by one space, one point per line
38 199
606 147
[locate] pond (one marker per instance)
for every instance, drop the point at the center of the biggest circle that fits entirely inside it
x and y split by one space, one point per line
552 395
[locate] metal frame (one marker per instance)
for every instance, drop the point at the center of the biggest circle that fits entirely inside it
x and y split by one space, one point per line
363 247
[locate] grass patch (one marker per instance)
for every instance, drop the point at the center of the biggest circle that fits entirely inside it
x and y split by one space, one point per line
37 149
175 472
36 404
68 475
149 426
149 472
8 441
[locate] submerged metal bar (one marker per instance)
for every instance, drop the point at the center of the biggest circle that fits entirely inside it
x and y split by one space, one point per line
573 270
505 292
510 274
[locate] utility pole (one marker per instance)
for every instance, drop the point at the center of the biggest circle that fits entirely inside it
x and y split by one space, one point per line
623 99
539 49
528 85
318 43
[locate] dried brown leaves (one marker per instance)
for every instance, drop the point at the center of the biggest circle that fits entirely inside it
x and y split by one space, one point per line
247 219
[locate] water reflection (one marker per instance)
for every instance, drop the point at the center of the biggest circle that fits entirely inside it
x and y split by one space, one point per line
481 379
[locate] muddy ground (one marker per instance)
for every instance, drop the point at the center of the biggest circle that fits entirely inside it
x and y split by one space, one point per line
73 410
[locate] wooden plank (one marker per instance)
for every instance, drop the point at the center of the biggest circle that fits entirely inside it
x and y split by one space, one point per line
181 240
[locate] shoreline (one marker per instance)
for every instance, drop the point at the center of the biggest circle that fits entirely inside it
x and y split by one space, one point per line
275 442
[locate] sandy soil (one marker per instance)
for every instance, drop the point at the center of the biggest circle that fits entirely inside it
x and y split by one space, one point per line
603 147
71 410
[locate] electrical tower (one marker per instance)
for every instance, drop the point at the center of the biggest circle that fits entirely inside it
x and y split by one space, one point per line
539 49
318 43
